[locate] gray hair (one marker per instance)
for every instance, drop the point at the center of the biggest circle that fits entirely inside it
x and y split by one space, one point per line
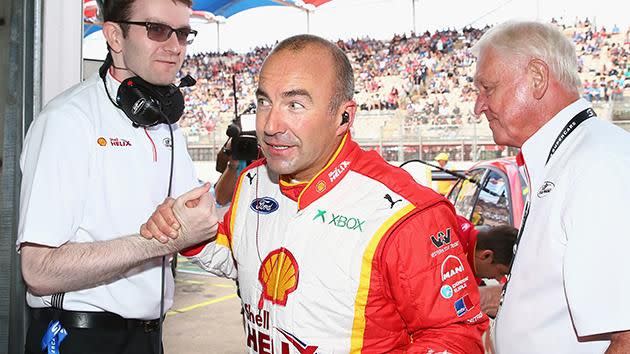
528 39
344 89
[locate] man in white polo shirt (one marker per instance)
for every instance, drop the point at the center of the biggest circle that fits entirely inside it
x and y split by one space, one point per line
568 288
91 176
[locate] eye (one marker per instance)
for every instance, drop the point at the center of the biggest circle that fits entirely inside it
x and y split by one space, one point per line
262 102
295 105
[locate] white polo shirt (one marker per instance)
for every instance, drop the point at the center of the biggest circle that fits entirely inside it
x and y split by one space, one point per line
570 277
89 175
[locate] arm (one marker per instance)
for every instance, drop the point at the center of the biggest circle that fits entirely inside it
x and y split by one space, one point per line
224 188
212 254
597 244
75 266
437 318
490 296
619 343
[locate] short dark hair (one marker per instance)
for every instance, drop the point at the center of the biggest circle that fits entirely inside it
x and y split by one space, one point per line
120 10
500 240
344 89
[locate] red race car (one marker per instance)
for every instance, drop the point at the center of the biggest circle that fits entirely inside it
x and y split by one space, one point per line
493 193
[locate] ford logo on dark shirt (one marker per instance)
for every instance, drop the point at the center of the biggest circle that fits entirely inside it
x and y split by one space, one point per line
264 205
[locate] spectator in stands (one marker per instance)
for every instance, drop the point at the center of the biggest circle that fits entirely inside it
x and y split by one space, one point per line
562 296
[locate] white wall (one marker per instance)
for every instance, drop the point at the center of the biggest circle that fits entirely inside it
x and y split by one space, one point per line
61 46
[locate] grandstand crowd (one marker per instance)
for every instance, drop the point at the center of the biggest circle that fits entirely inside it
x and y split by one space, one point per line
427 76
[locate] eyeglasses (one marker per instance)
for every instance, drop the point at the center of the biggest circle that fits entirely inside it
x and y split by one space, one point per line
160 32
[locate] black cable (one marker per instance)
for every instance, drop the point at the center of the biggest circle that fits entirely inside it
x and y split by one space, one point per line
170 185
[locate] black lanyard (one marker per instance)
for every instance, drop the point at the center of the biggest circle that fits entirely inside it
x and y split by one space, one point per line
569 128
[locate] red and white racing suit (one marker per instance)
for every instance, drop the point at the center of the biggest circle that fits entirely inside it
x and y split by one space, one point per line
359 259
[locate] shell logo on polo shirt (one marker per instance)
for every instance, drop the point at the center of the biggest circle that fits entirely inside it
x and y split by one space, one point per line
279 276
102 141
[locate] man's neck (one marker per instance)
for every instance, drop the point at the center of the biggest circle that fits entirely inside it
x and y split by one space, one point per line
120 74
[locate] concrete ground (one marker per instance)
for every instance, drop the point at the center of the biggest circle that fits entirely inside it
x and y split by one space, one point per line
205 317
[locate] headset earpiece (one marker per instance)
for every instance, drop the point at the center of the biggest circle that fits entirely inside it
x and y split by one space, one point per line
345 118
146 104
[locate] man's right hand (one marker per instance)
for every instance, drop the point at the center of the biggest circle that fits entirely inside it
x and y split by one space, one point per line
188 220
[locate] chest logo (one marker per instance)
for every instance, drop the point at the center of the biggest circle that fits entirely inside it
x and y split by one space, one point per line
301 347
119 142
250 177
545 189
279 276
101 141
167 143
350 223
391 201
264 205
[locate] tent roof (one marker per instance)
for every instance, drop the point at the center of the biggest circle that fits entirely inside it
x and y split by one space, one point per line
227 8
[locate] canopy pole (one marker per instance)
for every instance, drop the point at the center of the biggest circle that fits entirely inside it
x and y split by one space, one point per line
218 38
308 21
413 15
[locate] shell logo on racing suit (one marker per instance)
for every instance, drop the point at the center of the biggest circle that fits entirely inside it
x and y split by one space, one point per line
279 276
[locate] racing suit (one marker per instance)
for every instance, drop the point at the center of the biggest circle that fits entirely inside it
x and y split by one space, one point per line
359 259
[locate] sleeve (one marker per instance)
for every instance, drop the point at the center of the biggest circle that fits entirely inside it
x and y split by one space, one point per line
216 256
55 165
595 263
431 283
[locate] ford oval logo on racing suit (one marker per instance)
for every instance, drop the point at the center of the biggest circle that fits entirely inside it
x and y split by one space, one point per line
264 205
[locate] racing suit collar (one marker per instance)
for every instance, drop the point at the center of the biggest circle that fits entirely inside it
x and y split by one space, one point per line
305 193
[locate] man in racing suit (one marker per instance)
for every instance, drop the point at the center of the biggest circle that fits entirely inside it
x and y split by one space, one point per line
335 250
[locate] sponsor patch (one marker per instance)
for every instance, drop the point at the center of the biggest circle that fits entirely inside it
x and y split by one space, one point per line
451 266
441 250
320 186
167 142
279 276
334 174
301 347
101 141
391 200
463 305
446 291
338 220
460 285
545 189
119 142
264 205
442 238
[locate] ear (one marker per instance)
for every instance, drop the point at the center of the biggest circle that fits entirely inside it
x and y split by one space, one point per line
349 107
484 256
113 35
538 72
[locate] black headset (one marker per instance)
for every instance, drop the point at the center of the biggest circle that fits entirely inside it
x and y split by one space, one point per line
146 104
345 118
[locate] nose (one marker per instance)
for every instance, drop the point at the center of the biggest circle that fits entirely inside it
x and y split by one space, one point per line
172 45
480 104
273 121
